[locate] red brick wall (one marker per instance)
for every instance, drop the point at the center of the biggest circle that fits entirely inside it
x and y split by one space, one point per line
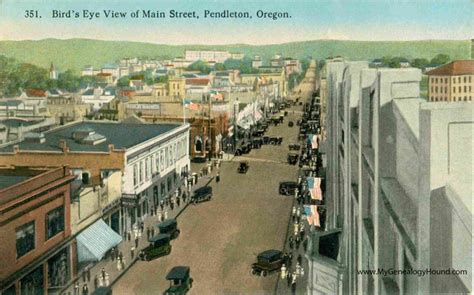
33 210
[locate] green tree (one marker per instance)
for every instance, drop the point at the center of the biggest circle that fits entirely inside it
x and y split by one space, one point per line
162 79
200 66
440 59
419 63
220 67
123 82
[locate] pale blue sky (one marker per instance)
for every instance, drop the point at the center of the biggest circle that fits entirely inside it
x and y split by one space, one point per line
317 19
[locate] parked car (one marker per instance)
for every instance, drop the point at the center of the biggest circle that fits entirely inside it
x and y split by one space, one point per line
267 262
169 226
199 160
266 140
287 188
180 281
202 194
294 147
159 246
292 158
243 167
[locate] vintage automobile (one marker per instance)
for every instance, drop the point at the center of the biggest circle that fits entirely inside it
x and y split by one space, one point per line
159 246
287 188
199 160
180 281
102 291
169 226
292 158
202 194
266 140
267 262
294 147
243 167
257 142
279 140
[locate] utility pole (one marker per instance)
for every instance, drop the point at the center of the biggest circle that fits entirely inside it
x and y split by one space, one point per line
209 126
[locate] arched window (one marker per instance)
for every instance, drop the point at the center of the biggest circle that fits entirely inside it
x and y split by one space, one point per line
198 144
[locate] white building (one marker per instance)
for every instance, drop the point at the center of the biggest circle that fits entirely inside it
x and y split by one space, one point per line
207 55
399 170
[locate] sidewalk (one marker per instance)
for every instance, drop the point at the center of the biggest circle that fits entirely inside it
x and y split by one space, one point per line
111 266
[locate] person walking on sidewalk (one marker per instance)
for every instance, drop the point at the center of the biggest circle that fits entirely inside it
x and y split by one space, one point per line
148 232
96 282
165 215
178 201
76 288
88 274
102 273
119 264
283 273
136 242
162 204
112 253
132 252
85 290
152 231
218 177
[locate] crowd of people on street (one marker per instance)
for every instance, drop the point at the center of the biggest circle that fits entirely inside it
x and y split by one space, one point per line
310 163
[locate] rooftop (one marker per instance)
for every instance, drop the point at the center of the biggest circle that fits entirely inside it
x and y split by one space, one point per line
121 135
198 81
10 180
457 67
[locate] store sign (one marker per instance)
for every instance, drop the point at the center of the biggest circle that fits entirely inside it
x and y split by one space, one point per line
129 200
143 106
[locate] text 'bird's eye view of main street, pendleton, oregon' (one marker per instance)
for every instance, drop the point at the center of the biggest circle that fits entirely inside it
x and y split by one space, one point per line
236 147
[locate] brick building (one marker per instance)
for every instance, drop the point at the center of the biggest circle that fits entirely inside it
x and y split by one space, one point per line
35 229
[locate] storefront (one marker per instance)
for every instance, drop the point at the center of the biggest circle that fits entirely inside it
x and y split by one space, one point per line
111 214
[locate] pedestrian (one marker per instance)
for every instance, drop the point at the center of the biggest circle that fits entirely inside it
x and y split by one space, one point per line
288 278
218 177
297 242
112 253
290 260
184 196
178 201
305 244
165 215
291 243
152 231
136 242
142 227
120 255
148 232
122 261
76 288
172 205
300 259
129 235
107 280
293 283
302 232
85 289
152 211
283 271
102 272
96 282
296 229
293 211
298 213
88 274
162 204
132 252
84 276
119 264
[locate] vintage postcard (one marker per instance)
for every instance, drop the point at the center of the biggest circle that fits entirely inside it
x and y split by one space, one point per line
236 147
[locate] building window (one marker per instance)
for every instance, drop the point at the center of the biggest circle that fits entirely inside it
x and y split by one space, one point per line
445 89
465 98
135 175
465 79
459 79
157 163
469 79
465 88
454 80
140 172
445 80
460 89
436 89
147 167
25 239
54 222
454 89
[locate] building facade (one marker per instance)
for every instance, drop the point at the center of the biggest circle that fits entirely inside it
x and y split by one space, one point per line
394 160
37 257
452 82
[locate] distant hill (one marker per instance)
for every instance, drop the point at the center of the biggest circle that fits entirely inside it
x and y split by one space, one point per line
75 53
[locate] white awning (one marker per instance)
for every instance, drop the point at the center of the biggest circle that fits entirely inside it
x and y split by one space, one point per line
95 241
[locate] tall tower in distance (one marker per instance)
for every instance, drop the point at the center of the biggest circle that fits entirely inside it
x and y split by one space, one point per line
53 73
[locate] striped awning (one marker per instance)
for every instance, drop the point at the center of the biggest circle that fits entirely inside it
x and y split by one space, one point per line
95 241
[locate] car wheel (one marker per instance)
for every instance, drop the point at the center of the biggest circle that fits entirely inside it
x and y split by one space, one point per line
264 273
254 272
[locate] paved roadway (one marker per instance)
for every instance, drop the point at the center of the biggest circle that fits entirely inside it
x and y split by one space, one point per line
220 239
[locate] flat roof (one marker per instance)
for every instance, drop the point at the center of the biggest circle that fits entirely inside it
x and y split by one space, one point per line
121 135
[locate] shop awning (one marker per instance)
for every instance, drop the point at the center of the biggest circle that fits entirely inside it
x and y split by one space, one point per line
95 241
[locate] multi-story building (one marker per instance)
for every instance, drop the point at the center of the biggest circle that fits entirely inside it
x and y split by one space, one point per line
150 157
37 254
452 82
177 87
207 55
398 186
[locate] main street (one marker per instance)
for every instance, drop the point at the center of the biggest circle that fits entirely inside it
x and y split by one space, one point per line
220 239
